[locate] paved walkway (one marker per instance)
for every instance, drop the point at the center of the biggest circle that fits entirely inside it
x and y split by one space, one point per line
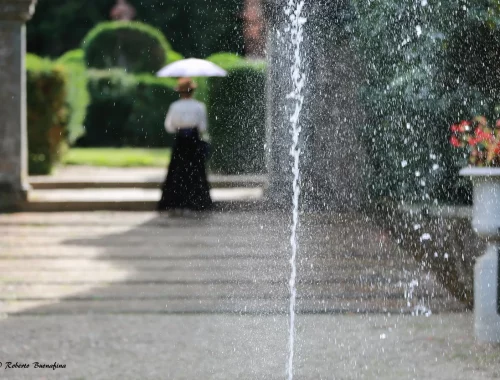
137 295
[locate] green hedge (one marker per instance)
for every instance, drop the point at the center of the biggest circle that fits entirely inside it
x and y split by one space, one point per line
236 108
133 46
111 93
224 60
73 56
78 95
145 125
127 110
47 113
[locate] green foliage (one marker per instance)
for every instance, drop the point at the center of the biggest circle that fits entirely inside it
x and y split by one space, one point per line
427 66
173 56
118 157
127 110
111 93
47 113
78 95
145 125
60 25
134 46
76 56
227 60
237 120
224 60
196 28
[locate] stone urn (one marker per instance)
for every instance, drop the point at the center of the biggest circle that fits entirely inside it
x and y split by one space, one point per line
486 223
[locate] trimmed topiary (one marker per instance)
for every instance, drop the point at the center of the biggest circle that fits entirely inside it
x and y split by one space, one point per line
47 113
133 46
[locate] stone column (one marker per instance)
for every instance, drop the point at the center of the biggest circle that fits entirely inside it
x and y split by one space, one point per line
13 131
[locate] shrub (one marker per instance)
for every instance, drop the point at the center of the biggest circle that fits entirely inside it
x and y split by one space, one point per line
236 107
421 78
112 93
78 95
73 56
133 46
173 56
128 110
145 125
47 113
226 60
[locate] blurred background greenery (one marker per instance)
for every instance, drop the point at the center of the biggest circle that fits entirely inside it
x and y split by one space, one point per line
195 28
108 97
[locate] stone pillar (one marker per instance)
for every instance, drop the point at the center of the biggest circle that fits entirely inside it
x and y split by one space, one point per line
13 131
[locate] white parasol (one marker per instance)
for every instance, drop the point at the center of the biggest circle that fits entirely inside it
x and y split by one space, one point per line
192 67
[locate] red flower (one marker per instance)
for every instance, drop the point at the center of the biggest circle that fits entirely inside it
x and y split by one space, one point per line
464 126
482 135
455 142
480 141
497 148
472 141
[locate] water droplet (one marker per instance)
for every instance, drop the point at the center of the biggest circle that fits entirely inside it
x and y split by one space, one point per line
425 236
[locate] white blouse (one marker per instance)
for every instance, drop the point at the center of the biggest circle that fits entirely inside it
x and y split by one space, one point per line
186 113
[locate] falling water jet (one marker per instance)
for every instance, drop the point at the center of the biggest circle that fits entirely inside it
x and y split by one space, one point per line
294 28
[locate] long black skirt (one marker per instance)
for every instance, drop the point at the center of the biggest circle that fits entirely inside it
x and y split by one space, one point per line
186 185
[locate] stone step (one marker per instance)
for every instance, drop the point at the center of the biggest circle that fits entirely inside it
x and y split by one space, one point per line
148 180
128 199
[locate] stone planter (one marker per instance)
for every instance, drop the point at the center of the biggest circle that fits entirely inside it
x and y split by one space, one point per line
486 214
486 223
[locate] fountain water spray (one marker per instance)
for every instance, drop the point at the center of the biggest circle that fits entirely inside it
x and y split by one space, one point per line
294 28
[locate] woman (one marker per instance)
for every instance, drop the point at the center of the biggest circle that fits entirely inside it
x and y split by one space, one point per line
186 185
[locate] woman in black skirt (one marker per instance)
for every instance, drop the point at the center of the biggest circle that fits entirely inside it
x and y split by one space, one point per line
186 185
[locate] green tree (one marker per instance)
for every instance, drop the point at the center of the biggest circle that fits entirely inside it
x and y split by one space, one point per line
60 25
194 27
428 65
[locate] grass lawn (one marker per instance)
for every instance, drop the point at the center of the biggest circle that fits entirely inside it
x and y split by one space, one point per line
117 157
